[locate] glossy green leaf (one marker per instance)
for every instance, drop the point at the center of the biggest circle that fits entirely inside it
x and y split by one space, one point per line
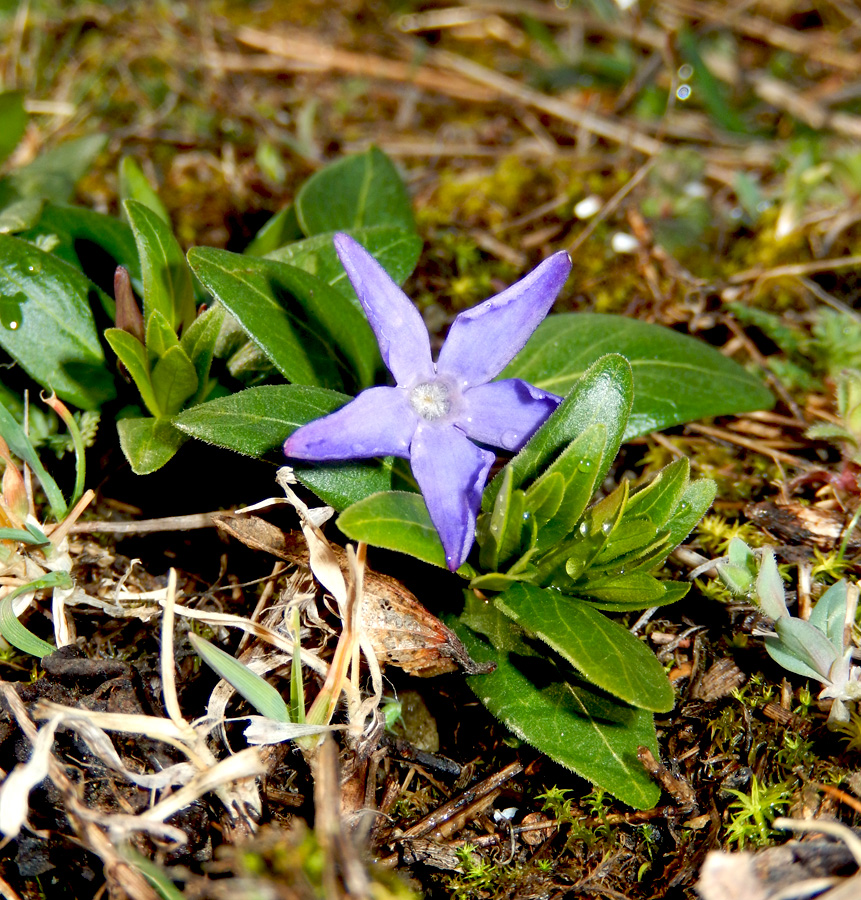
13 122
639 587
249 685
199 341
607 654
173 381
354 192
43 296
574 723
20 446
311 333
580 465
544 497
397 520
167 284
673 591
660 497
75 231
694 503
603 395
396 249
132 354
632 535
134 185
676 378
259 419
148 443
283 228
498 532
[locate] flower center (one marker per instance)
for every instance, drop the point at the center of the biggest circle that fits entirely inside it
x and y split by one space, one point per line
430 400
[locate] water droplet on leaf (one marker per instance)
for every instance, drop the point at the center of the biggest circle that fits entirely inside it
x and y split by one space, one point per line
606 527
509 439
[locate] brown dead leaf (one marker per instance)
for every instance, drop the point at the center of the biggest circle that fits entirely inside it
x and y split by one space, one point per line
402 632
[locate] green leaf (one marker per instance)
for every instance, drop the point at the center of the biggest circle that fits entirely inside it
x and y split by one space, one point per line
283 228
544 497
23 537
54 174
249 685
21 215
354 192
199 342
305 327
802 648
132 354
43 296
167 284
173 381
19 444
672 592
660 497
498 532
607 654
639 588
134 185
77 230
574 723
148 443
396 249
160 336
829 614
769 587
13 122
399 521
259 419
696 498
676 378
11 628
580 465
603 395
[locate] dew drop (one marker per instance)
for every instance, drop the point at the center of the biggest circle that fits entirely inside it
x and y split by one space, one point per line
583 529
621 571
10 311
510 439
606 527
31 268
683 92
685 71
585 465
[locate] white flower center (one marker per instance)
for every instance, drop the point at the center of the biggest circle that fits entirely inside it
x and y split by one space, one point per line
430 400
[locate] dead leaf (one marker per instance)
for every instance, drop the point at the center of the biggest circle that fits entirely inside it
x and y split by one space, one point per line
403 633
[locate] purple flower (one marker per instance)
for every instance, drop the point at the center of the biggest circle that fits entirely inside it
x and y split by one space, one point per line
437 410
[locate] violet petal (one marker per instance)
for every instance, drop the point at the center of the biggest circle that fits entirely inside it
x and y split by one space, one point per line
451 473
505 413
379 422
397 323
484 339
